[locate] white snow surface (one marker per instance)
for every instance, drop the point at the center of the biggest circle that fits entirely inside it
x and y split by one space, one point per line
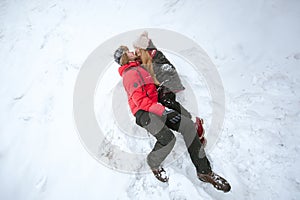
254 44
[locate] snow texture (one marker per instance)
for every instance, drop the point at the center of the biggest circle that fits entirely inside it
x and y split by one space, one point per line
254 44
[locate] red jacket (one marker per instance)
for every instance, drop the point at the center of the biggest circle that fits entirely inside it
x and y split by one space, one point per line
140 88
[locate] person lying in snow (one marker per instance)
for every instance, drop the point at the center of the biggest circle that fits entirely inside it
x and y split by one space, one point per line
165 77
160 120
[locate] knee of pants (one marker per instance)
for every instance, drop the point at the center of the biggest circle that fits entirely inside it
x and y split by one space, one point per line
186 126
165 137
142 118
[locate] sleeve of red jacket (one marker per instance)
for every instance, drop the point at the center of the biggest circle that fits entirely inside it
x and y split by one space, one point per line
145 103
138 96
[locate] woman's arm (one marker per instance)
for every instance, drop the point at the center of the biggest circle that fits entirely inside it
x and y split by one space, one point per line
145 103
137 93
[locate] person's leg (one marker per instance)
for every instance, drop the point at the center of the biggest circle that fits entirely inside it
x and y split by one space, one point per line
196 150
162 148
164 136
168 99
204 172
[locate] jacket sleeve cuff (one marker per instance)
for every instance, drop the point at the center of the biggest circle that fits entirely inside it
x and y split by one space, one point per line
157 109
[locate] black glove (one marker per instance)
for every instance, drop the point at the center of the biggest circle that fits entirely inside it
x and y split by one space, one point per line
171 115
165 96
161 88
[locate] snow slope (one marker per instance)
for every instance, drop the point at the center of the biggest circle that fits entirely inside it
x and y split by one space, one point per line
254 44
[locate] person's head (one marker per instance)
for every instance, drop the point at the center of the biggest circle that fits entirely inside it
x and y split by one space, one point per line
141 42
123 56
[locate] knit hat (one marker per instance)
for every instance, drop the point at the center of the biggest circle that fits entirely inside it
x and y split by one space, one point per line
142 41
119 53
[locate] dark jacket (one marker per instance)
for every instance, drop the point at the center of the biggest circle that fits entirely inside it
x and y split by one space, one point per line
164 70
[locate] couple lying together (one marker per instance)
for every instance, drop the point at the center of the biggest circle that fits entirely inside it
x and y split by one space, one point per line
151 83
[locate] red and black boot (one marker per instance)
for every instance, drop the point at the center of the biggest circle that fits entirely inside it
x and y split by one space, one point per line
200 130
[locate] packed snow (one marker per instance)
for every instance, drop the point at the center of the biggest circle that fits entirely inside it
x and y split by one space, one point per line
254 44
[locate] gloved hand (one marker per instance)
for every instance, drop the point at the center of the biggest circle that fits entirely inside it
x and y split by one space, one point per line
165 96
160 88
171 115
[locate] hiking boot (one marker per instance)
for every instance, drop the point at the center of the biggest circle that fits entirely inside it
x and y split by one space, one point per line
200 130
217 181
160 174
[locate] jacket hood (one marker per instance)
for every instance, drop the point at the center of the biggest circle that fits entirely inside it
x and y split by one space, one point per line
127 66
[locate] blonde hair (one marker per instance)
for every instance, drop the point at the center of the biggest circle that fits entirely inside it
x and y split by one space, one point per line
147 63
124 58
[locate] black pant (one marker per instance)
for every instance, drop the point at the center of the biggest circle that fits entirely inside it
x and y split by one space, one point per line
160 127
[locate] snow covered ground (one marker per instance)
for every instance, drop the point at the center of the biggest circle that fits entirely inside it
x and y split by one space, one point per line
254 44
